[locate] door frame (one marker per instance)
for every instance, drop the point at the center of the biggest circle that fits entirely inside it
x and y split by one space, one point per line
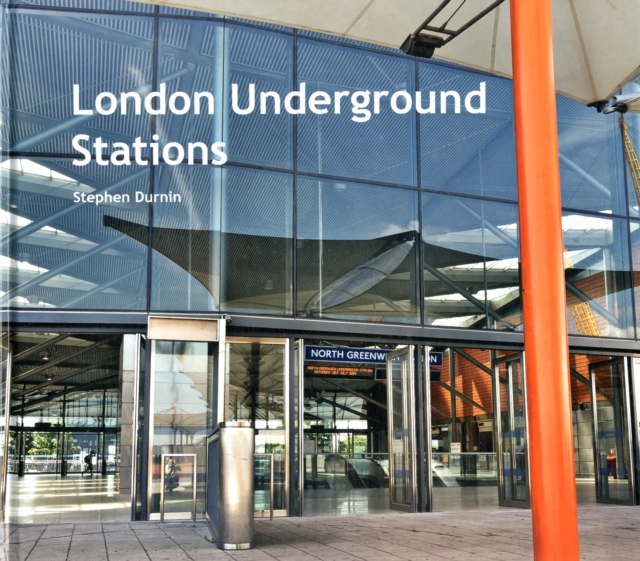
497 424
628 441
164 328
410 351
7 417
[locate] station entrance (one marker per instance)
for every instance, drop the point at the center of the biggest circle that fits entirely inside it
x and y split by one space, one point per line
113 427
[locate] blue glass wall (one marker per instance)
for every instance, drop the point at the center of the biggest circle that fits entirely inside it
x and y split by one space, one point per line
405 218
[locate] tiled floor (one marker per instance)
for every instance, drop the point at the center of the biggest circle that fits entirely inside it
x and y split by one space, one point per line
50 499
606 533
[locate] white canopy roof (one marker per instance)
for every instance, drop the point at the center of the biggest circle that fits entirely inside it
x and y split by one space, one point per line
597 42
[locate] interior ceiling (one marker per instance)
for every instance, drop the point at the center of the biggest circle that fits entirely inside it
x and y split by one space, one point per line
597 47
88 362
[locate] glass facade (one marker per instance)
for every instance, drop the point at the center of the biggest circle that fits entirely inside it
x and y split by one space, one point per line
315 215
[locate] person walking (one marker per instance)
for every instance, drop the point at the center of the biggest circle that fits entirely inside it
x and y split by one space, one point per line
88 463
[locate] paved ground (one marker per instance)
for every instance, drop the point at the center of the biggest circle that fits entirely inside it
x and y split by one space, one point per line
606 533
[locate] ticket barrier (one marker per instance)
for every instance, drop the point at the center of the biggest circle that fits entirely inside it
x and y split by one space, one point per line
230 474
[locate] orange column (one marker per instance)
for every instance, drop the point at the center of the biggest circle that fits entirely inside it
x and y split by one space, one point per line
553 488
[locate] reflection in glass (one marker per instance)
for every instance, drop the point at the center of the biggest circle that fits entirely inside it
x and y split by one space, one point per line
512 433
356 252
255 386
465 153
591 159
223 248
381 149
471 254
610 420
183 408
346 458
60 252
265 59
597 274
256 250
186 239
52 51
190 54
179 479
401 426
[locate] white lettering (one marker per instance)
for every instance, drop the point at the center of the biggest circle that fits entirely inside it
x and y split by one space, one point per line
443 101
76 145
407 102
76 102
481 94
161 95
300 96
234 100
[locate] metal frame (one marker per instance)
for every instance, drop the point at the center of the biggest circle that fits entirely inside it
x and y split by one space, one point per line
497 423
428 451
151 376
135 426
195 483
7 417
410 352
627 442
301 458
271 483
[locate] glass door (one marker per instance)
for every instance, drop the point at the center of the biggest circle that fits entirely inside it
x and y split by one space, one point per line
510 422
255 390
402 424
612 432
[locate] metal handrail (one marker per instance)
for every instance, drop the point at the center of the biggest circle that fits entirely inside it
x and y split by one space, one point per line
271 482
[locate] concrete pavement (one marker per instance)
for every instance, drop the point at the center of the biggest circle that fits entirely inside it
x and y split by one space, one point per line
606 533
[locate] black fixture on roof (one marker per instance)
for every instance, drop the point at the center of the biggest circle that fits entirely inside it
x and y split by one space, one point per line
424 44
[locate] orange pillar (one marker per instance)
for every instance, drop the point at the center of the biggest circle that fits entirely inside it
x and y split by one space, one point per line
553 487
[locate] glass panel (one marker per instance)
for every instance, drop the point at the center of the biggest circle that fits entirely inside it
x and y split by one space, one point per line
471 261
591 159
179 480
186 239
468 153
247 267
634 228
597 273
264 59
262 483
382 148
356 252
346 443
255 389
62 252
464 462
183 408
632 122
190 60
400 453
5 454
513 433
257 247
612 451
108 53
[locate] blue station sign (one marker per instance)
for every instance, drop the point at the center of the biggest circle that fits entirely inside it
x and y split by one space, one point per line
345 354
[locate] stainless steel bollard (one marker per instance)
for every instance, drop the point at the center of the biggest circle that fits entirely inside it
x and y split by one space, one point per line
230 468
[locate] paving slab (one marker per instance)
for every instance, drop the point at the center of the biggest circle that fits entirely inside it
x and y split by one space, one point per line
607 533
